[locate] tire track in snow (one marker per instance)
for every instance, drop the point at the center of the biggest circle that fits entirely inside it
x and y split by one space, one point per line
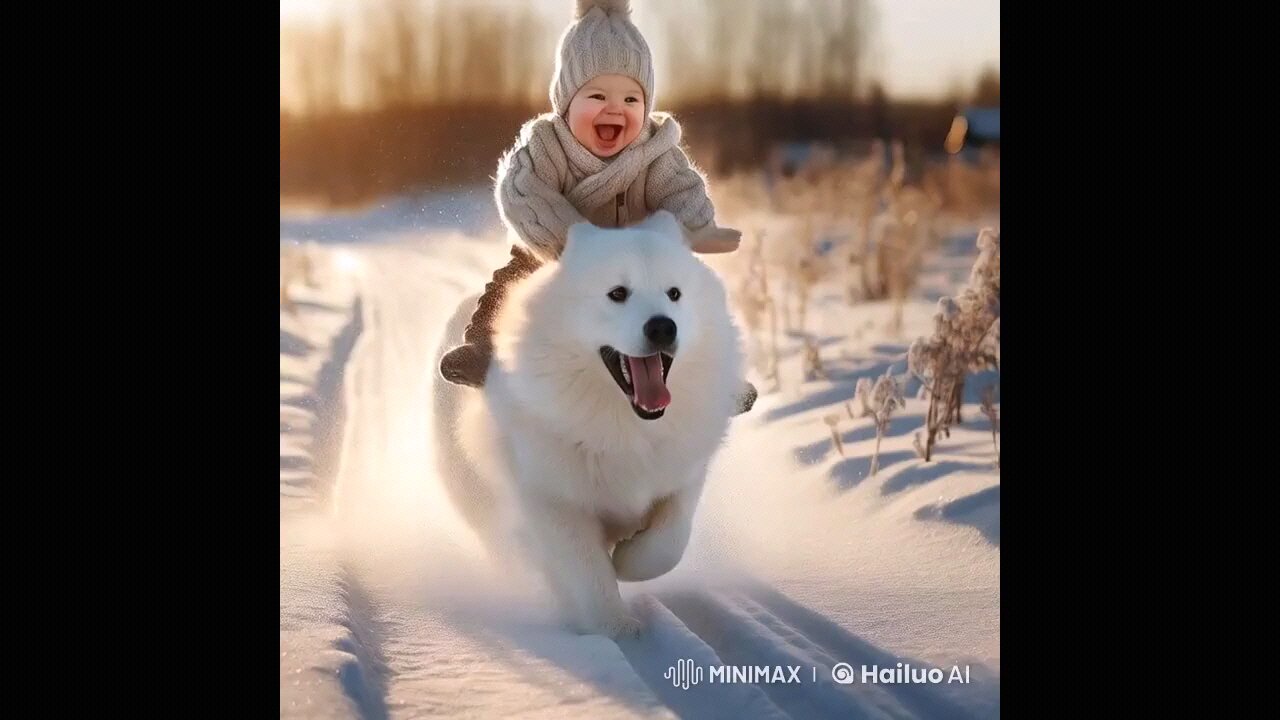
664 642
329 661
741 637
833 641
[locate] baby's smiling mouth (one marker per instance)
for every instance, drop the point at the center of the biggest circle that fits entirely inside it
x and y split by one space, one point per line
608 132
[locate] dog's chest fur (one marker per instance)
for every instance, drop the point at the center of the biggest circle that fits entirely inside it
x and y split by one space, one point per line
623 486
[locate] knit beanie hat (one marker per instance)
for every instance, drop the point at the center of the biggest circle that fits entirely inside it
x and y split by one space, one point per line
600 41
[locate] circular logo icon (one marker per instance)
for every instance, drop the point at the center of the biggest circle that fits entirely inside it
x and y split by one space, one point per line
842 673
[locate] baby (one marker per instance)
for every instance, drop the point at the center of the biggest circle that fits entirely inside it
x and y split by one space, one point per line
602 156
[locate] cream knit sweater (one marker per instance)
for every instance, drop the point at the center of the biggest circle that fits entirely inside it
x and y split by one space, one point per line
548 181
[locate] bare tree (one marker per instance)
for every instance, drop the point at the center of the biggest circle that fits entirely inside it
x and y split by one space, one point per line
986 92
319 66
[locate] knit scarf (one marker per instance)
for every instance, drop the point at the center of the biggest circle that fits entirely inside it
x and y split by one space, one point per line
600 180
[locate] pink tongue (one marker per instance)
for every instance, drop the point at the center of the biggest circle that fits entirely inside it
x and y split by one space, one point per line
607 132
646 377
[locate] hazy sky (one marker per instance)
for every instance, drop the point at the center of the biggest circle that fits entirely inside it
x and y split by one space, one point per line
923 45
928 43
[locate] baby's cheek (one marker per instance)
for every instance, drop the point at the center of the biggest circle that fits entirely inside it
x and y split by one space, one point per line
584 133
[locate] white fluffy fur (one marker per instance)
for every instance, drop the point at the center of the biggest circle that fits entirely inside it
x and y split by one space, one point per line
550 460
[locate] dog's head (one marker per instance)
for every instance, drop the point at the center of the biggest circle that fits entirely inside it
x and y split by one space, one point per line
621 314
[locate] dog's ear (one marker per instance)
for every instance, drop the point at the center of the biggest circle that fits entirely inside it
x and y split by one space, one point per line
665 223
574 236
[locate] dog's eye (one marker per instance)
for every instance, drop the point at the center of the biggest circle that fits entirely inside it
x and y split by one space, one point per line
674 294
618 294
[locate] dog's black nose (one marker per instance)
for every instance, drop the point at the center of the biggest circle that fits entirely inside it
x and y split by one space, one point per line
661 331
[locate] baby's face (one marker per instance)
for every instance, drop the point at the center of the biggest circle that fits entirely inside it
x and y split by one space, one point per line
607 114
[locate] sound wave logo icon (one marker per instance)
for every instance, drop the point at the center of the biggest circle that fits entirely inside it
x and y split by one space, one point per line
683 674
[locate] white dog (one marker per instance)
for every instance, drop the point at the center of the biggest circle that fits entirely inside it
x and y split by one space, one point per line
612 385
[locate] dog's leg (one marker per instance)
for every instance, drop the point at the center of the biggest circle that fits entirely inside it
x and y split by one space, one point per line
572 553
657 549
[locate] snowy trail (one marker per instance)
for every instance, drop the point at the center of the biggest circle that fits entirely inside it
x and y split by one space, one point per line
388 609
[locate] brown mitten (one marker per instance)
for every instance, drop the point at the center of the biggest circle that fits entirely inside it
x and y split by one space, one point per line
712 239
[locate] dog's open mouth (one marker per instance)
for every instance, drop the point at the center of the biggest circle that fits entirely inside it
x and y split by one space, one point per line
642 379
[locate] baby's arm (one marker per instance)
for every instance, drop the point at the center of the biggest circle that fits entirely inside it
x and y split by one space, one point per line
673 184
530 202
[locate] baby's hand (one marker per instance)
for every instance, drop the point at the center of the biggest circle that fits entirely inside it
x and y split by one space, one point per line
712 239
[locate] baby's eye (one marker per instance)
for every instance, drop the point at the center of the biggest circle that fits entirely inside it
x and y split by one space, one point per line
596 96
633 99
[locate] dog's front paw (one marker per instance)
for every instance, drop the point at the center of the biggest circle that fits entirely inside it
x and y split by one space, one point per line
649 554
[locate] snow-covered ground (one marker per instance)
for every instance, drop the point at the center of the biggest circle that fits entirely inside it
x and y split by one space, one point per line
799 558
